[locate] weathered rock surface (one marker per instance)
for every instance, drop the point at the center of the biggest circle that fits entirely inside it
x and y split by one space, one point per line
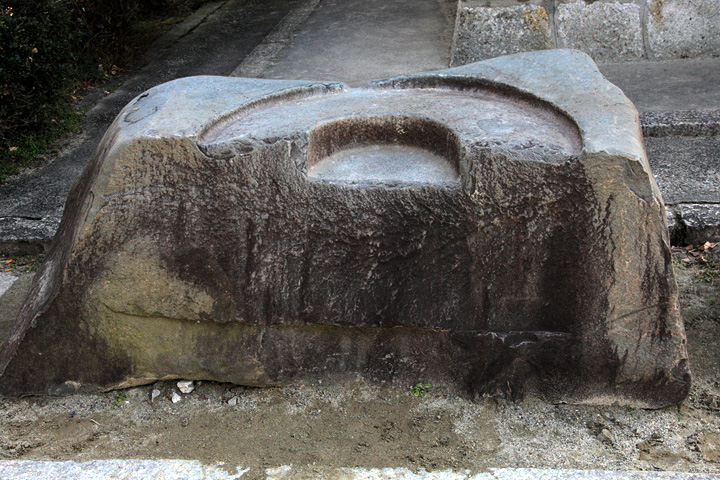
607 30
683 28
493 226
490 29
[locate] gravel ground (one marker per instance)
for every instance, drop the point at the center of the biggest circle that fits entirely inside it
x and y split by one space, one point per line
365 425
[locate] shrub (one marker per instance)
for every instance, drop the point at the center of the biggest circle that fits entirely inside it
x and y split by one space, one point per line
38 57
49 46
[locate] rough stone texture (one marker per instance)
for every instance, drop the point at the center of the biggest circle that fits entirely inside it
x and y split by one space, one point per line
683 28
31 204
687 169
235 230
680 123
605 31
609 31
483 32
696 224
27 236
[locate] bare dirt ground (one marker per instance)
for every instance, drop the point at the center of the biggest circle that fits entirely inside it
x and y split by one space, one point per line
364 425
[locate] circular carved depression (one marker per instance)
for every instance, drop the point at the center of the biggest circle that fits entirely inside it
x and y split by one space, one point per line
396 136
383 151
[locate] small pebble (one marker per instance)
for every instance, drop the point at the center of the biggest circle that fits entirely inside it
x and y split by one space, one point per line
186 386
606 437
155 393
175 397
233 401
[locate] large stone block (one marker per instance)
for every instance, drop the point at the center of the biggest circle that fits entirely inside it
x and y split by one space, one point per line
493 227
683 28
494 29
608 32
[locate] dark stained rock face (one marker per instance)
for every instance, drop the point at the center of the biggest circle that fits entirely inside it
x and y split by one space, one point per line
493 227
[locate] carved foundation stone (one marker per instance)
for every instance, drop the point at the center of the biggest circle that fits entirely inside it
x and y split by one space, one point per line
493 227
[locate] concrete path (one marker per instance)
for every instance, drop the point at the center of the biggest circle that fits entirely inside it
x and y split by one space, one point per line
671 85
355 41
194 470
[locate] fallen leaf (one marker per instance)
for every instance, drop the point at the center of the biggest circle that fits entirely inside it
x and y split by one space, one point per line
8 261
12 149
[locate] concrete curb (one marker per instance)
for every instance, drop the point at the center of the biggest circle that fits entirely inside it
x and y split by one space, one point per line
194 470
686 123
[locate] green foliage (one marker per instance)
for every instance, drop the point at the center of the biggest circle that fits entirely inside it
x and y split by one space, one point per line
33 264
420 389
48 47
37 65
20 149
21 263
119 400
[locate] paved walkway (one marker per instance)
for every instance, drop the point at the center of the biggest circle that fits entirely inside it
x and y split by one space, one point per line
356 41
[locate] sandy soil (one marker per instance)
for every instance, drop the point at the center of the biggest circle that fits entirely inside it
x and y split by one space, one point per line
359 424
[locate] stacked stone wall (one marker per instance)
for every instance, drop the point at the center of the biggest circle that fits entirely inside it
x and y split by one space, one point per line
607 30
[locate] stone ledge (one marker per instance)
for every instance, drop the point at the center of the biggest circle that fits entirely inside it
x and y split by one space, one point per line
692 123
605 31
24 236
486 32
609 31
683 28
694 223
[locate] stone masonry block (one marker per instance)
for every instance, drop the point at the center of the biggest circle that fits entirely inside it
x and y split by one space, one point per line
683 28
493 227
486 32
608 32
